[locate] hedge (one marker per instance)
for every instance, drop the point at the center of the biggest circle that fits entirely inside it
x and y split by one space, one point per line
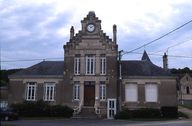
42 109
164 112
169 112
138 113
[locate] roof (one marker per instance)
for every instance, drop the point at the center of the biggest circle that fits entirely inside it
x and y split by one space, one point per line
145 56
44 68
143 67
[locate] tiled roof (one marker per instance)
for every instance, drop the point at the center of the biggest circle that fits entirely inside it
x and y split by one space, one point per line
143 67
42 68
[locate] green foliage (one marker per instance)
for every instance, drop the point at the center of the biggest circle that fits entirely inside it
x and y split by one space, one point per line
169 112
181 114
148 113
124 114
189 106
138 113
42 109
4 76
181 71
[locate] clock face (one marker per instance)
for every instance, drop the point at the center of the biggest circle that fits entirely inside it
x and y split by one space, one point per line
91 27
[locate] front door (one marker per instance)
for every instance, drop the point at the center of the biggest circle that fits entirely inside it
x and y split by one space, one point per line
89 93
111 108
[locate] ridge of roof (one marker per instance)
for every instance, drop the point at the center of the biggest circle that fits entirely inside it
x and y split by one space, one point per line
42 68
142 68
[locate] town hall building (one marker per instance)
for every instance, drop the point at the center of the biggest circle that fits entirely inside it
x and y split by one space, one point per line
93 78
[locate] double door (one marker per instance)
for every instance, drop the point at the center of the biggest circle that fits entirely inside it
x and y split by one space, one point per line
89 94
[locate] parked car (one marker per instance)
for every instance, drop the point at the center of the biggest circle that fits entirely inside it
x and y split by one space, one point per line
8 114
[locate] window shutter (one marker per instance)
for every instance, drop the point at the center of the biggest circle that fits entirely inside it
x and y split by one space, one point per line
131 92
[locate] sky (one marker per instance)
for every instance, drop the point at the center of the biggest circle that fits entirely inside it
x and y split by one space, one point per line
35 30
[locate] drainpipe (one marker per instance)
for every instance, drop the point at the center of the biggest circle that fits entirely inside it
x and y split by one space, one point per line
119 84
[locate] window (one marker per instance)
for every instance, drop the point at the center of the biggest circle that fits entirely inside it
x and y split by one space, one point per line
3 104
76 91
90 65
49 92
31 91
151 92
187 90
102 90
103 65
77 65
131 92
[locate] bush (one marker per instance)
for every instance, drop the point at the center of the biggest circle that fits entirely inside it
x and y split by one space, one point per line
146 113
42 109
61 111
169 112
138 113
181 114
124 114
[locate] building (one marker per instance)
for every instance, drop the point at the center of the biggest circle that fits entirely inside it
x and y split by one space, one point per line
185 89
3 96
91 77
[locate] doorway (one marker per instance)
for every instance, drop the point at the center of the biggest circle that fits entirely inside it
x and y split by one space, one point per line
111 108
89 93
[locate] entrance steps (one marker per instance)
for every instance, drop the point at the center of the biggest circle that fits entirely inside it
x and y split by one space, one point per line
87 112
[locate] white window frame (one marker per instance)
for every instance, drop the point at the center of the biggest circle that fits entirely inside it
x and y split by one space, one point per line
90 65
103 65
3 104
49 91
131 93
77 65
31 91
102 91
76 91
151 92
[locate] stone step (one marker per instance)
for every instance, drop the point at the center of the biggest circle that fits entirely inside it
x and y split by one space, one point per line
87 112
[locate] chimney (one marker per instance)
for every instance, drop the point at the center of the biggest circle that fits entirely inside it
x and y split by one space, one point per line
71 32
114 33
165 62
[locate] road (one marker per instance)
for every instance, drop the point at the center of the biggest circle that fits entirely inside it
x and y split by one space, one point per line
84 122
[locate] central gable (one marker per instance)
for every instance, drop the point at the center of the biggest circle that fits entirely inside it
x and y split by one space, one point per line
90 37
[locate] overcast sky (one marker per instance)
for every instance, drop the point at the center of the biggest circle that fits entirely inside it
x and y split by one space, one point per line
38 29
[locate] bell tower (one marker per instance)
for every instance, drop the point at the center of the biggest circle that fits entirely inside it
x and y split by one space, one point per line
91 24
90 66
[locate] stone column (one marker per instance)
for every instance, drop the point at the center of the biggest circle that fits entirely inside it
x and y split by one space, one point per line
97 65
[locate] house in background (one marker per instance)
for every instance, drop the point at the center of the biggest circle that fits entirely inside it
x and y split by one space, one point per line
185 89
3 96
91 79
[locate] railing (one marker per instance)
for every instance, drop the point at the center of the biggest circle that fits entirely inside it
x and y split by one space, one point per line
96 106
77 109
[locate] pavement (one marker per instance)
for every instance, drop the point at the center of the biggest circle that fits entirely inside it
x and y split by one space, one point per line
94 122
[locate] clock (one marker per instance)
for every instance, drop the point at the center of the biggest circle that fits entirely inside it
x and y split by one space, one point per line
90 27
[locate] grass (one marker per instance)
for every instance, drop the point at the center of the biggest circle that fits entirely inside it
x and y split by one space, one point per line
181 114
187 106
